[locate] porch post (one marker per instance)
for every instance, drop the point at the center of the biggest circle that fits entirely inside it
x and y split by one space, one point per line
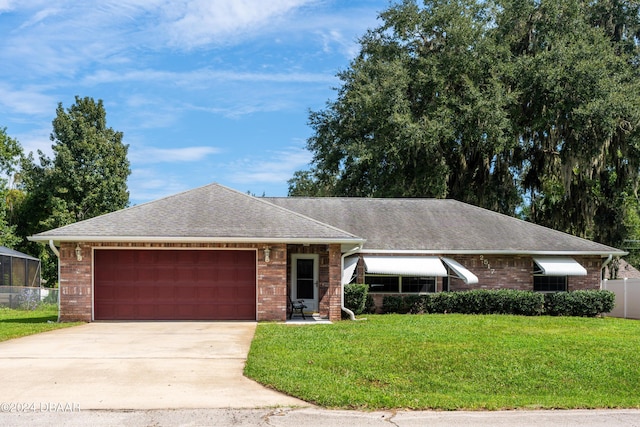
335 313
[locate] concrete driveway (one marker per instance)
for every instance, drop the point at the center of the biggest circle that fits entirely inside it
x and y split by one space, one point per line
136 365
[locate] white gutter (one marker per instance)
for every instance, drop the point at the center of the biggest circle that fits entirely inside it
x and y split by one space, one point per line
187 239
57 253
604 264
358 248
607 261
435 252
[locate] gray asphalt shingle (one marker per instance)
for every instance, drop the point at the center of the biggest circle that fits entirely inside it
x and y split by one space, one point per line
435 225
216 212
212 211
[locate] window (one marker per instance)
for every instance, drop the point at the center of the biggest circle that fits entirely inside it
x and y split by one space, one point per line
418 284
382 283
549 283
400 284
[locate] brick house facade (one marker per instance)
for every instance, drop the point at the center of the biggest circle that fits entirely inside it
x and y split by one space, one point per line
502 272
76 276
244 257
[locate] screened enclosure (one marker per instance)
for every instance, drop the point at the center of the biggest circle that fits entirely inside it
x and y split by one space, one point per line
19 278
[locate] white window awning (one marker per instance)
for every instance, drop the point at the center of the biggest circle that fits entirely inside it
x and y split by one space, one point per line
350 265
460 271
559 266
405 266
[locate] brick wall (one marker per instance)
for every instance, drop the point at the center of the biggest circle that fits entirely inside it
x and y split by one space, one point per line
329 277
506 272
75 283
272 283
76 277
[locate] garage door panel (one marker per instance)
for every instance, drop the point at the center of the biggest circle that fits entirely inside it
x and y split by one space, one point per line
174 285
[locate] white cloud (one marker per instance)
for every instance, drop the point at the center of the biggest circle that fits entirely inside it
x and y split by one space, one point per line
30 100
205 76
6 5
149 184
277 169
36 139
146 155
203 22
39 16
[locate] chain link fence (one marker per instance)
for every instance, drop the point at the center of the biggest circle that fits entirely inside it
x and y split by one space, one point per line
26 298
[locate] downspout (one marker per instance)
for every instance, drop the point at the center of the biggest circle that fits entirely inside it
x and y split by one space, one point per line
57 253
358 248
604 264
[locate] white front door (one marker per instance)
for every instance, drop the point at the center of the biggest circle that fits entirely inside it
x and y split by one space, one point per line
304 280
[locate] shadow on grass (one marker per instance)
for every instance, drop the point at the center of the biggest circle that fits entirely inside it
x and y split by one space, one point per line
43 319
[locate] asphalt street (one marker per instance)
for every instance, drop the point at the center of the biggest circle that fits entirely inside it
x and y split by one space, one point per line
287 417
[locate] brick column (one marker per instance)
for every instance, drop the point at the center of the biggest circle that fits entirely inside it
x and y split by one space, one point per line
334 292
75 283
272 283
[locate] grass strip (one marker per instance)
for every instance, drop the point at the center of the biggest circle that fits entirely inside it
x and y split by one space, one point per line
452 362
20 323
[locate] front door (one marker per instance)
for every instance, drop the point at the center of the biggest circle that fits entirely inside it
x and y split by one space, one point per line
304 278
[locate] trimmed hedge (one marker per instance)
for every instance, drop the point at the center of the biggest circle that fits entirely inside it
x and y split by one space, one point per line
355 297
503 301
579 303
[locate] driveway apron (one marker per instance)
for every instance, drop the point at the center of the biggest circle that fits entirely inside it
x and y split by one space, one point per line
136 365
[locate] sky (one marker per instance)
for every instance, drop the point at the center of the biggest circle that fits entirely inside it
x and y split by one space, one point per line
203 90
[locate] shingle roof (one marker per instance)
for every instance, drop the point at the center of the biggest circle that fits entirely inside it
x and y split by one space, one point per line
217 213
439 225
212 212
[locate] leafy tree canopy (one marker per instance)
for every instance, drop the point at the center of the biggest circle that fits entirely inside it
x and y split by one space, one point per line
87 176
10 155
527 107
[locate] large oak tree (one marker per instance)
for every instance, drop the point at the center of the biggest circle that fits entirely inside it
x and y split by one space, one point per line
527 107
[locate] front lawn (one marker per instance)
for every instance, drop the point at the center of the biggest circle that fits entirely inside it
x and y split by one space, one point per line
19 323
453 362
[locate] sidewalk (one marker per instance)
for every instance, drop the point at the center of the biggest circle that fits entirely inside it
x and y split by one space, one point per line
322 418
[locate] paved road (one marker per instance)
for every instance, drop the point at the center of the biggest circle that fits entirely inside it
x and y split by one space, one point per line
321 418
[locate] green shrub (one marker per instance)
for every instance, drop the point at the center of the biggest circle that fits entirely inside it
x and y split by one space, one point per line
394 304
579 303
355 297
370 306
524 303
504 301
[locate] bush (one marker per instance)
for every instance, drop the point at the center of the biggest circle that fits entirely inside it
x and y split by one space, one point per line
504 301
579 303
394 304
355 297
370 306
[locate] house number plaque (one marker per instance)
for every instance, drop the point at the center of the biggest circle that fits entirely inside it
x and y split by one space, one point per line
487 264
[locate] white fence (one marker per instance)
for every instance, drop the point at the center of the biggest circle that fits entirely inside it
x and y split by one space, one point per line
627 297
25 297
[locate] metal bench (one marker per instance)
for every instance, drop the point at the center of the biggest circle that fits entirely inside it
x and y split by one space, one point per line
297 306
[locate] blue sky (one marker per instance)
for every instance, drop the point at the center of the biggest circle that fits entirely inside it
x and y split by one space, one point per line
203 90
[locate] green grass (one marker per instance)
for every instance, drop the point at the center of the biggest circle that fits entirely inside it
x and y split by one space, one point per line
453 362
19 323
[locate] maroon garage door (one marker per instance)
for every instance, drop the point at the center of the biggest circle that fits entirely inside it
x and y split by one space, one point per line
174 285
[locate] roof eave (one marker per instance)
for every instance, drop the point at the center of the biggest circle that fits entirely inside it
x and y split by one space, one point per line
182 239
493 252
